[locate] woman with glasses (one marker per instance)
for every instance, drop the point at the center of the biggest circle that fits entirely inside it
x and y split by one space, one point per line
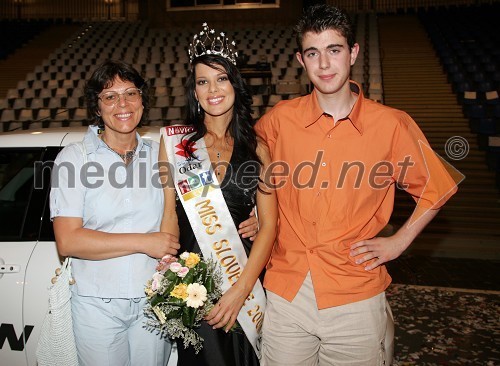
107 215
107 212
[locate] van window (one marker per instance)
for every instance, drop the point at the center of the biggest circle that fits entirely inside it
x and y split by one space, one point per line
16 185
46 229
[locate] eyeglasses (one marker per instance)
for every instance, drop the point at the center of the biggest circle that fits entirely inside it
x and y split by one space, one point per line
130 95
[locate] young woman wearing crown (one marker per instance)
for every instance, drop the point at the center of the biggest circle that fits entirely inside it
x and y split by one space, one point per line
217 165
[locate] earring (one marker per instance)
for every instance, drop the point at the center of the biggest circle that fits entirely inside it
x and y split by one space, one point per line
199 110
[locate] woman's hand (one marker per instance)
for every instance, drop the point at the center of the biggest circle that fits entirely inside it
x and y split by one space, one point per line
225 312
249 227
161 244
74 240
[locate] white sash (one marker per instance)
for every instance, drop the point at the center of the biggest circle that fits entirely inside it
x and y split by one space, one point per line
213 226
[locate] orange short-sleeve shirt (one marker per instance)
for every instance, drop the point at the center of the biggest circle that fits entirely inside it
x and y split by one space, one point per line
335 186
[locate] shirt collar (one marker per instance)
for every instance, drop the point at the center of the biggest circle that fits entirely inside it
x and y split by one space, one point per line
93 142
314 110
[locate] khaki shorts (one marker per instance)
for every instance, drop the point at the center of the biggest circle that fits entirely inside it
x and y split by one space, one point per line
297 333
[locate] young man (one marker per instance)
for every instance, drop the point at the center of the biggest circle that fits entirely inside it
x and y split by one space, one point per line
326 277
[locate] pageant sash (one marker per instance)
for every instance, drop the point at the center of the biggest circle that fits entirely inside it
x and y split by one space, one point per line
213 226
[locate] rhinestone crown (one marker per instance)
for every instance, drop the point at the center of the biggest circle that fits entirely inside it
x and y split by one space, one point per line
208 43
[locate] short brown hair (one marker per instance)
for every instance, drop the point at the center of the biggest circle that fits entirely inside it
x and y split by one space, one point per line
319 18
103 77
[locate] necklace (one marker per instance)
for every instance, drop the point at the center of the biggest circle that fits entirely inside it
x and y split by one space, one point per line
217 170
218 165
218 152
129 155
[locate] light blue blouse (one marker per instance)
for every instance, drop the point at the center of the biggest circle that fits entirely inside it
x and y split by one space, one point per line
113 198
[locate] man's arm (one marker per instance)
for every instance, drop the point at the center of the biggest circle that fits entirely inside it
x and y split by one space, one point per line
410 142
378 251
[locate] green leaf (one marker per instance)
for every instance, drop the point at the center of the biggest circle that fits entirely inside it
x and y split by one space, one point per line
203 272
169 289
174 314
174 301
171 276
188 316
189 277
156 300
210 285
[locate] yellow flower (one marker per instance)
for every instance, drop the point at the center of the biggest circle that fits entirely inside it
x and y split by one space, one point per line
192 260
149 293
148 290
180 291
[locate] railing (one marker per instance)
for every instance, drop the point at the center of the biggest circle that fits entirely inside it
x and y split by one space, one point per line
75 10
129 9
384 6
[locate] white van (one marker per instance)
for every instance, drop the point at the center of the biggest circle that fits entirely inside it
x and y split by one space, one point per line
28 254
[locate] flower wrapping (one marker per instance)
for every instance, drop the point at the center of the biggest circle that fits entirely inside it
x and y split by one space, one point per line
180 294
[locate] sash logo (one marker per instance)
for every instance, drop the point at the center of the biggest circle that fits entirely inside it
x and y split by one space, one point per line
193 186
189 166
179 130
185 148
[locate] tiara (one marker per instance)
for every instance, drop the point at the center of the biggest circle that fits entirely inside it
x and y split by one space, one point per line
207 43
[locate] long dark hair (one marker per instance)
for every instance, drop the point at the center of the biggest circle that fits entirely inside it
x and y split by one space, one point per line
241 126
103 77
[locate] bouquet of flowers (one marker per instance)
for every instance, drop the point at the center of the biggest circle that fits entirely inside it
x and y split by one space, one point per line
180 294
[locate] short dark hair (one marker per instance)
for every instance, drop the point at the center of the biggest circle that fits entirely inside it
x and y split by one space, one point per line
103 77
318 18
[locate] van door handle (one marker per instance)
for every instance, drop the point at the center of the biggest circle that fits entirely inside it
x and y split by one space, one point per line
10 268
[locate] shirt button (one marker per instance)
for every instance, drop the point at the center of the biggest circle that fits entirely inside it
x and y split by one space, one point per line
329 136
127 200
311 251
314 222
323 164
